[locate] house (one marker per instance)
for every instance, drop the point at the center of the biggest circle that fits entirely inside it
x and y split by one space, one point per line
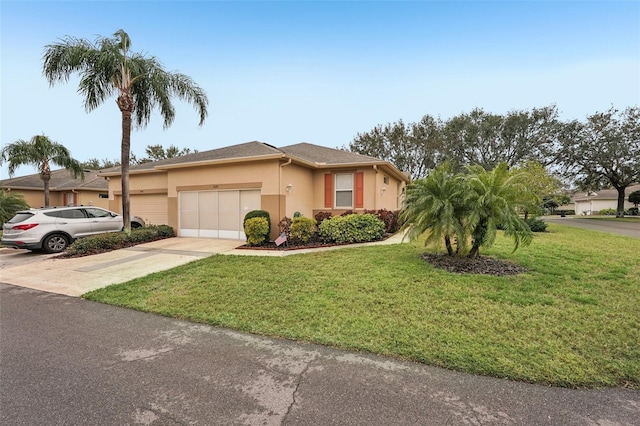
207 194
591 203
64 189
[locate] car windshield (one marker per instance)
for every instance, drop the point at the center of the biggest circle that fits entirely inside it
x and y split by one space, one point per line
20 217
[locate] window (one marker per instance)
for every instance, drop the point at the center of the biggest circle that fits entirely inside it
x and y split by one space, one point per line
93 212
103 195
344 190
385 180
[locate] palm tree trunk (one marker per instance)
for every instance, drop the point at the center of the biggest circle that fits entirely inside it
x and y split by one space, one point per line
447 243
46 191
125 103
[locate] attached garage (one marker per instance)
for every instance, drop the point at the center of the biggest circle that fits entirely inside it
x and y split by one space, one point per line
150 207
216 214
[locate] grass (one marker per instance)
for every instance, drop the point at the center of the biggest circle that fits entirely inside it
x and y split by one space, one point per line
572 320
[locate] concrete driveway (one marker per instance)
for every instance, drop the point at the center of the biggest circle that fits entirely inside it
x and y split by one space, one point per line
77 276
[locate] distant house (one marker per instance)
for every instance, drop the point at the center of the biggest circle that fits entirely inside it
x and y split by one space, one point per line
64 190
207 194
591 203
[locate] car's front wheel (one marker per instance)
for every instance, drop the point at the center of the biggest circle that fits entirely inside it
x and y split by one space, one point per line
55 243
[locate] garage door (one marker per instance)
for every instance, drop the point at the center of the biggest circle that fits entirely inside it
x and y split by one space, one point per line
150 207
216 214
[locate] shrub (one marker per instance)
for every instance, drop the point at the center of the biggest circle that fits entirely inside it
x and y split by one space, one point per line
355 228
284 226
537 225
116 240
566 212
608 212
347 213
633 211
297 214
322 216
259 213
388 217
256 229
303 228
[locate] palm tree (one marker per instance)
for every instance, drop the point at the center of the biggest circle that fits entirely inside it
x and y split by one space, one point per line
10 203
40 152
494 196
436 204
106 68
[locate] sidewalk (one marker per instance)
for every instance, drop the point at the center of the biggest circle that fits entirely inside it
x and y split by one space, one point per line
76 276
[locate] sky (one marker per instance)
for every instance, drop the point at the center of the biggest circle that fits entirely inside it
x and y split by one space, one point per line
285 72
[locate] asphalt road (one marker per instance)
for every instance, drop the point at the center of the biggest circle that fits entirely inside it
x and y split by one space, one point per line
630 229
70 361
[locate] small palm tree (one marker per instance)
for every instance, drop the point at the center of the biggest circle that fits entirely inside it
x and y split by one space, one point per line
436 204
10 203
40 152
141 84
494 197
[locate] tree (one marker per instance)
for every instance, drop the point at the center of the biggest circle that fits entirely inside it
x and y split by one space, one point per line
485 139
95 164
40 152
541 185
634 198
10 203
413 148
472 205
108 67
604 151
494 197
436 204
158 152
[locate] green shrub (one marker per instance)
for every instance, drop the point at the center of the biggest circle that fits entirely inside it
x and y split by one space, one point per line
259 213
98 243
303 228
537 225
297 214
256 229
608 212
355 228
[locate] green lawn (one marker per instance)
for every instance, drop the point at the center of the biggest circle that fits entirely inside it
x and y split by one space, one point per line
572 320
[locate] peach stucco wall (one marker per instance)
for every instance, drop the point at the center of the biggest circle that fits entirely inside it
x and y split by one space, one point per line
300 197
35 199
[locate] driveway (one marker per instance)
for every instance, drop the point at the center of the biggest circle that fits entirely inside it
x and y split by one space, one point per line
67 360
630 229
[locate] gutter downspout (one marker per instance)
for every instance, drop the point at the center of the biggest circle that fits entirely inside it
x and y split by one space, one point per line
375 187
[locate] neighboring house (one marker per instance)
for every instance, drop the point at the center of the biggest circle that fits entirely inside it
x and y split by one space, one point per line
207 194
64 190
592 202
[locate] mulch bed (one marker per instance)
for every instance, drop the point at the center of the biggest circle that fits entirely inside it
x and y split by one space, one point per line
297 245
476 265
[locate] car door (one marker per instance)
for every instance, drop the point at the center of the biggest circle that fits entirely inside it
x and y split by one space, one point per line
74 222
103 220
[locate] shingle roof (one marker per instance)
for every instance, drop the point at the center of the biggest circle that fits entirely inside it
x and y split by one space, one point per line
606 194
324 155
60 180
248 149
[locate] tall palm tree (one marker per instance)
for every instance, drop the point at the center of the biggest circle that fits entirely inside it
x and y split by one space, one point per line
40 152
494 196
436 205
107 67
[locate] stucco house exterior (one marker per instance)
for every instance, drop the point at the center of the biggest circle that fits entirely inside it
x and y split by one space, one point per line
64 189
591 203
207 194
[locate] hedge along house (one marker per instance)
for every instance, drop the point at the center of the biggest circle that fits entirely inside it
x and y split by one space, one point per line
207 194
64 189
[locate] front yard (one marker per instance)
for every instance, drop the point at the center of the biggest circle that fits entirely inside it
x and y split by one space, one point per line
571 320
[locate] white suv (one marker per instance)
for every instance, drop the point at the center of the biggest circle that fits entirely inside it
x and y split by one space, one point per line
52 229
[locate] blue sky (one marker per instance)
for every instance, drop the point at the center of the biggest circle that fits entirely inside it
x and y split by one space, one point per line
321 72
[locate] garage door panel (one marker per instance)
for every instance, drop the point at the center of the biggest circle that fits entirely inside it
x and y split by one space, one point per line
216 214
150 207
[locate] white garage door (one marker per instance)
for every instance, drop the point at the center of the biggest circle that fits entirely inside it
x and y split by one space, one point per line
150 207
216 214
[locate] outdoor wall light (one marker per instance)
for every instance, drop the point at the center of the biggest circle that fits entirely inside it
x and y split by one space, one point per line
289 187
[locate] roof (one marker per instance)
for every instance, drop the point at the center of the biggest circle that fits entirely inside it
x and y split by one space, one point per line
310 154
606 194
61 180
